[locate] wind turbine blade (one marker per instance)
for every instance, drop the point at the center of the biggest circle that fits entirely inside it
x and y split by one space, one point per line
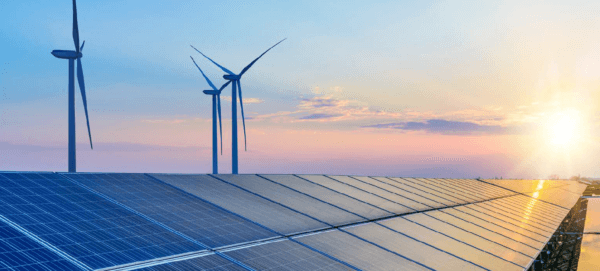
222 68
223 87
82 88
252 63
207 80
243 119
75 27
220 124
82 44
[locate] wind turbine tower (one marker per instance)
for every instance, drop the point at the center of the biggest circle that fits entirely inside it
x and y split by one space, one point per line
72 56
236 84
216 103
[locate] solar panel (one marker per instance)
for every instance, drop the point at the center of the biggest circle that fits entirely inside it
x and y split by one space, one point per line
303 203
19 252
452 189
411 204
400 192
590 249
411 248
556 196
479 242
327 195
357 193
488 234
411 188
95 231
444 193
251 206
210 262
592 218
285 255
357 252
180 211
499 229
442 242
485 216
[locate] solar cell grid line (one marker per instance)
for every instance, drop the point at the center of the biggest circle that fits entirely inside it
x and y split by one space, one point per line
93 230
472 240
382 192
514 216
532 213
545 209
524 207
431 194
180 211
286 254
447 196
414 191
320 210
443 242
369 190
356 193
441 186
522 229
358 252
19 251
500 229
471 184
400 192
447 193
474 189
413 248
264 211
492 187
556 197
549 213
322 194
483 224
483 233
509 220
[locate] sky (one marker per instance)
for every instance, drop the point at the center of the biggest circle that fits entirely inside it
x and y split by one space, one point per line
448 89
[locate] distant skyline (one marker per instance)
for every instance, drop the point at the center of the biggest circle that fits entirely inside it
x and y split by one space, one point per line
455 89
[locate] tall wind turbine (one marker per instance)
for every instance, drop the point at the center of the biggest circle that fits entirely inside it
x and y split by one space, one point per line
72 56
235 79
216 103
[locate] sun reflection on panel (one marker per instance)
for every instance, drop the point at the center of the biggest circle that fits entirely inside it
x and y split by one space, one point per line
529 206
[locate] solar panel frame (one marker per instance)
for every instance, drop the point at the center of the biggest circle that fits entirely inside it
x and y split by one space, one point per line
419 192
446 195
465 198
400 192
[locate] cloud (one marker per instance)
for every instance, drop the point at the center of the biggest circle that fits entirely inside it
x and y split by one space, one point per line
246 100
319 116
440 126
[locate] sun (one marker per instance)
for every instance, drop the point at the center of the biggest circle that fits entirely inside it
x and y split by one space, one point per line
564 128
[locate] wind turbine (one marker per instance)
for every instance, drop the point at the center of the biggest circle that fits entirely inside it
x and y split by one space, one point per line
71 56
216 103
235 79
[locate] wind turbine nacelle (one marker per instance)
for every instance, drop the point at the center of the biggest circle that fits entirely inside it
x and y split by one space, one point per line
210 92
231 77
64 54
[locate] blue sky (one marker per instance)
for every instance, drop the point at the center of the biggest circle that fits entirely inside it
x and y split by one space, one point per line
390 70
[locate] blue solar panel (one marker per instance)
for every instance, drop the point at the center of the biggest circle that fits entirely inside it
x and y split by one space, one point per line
285 255
210 262
179 210
91 229
19 252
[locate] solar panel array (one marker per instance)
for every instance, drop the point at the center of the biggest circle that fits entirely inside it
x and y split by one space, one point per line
110 221
590 243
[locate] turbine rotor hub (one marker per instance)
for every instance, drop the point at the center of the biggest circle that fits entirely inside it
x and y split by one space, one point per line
231 77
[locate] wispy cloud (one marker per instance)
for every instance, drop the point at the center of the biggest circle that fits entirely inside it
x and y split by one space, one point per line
165 121
319 116
246 100
440 126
